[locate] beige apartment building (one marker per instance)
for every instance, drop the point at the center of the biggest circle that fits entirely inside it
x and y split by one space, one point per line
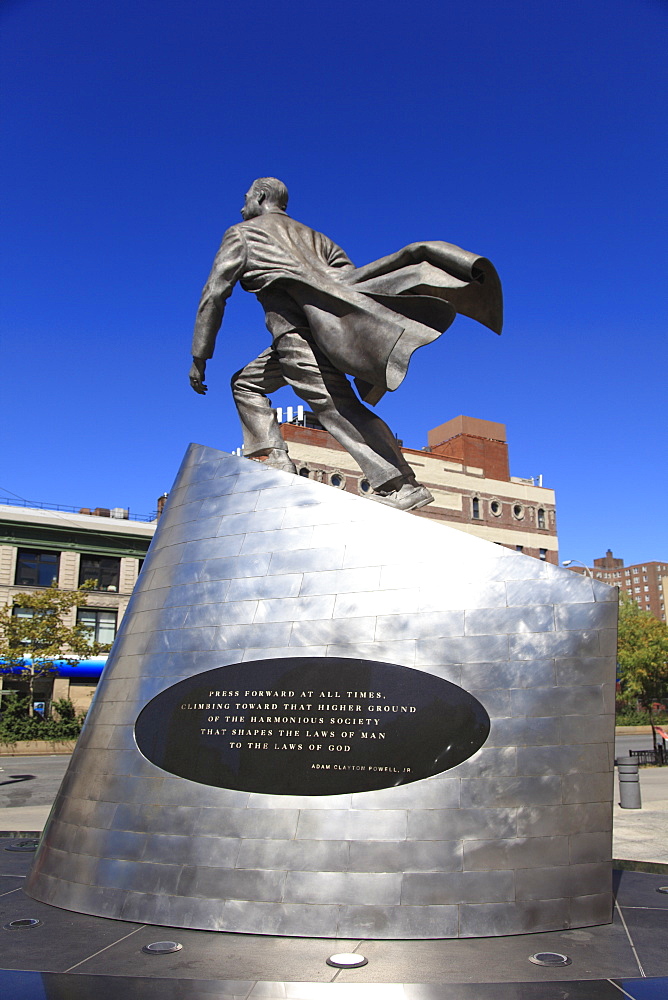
465 465
38 546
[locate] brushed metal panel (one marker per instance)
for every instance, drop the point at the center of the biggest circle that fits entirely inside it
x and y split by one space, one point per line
279 540
341 581
229 613
400 922
343 887
233 567
191 595
212 548
260 800
257 635
585 700
279 652
566 880
511 791
604 592
546 821
346 824
401 652
563 590
178 575
563 759
530 732
588 848
491 621
290 495
379 602
537 645
420 626
589 787
587 670
264 587
466 824
295 855
593 909
458 887
189 531
406 856
497 702
463 649
216 883
168 555
179 512
519 852
430 793
600 728
576 616
522 917
488 762
279 919
307 560
289 609
321 633
230 503
280 825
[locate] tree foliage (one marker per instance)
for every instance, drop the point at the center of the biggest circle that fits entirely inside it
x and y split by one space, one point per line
33 646
642 654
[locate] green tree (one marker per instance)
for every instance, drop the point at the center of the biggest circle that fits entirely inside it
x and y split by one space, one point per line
642 654
36 641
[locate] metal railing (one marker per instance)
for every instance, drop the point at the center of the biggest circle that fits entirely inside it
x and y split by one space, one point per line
64 508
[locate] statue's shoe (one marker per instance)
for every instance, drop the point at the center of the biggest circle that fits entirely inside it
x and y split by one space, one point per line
285 464
409 497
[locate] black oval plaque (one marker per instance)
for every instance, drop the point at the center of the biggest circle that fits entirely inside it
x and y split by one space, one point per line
311 726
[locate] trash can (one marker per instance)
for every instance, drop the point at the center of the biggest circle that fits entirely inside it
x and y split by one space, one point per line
629 783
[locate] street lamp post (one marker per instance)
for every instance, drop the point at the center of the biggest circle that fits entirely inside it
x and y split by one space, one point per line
569 562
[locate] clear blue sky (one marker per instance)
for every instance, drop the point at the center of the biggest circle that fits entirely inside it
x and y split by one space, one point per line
534 134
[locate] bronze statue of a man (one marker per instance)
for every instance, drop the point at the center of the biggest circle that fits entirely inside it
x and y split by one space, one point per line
329 319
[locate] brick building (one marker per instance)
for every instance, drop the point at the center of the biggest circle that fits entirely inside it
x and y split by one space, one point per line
464 464
646 583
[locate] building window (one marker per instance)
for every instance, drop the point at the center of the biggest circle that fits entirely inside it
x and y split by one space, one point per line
104 570
304 472
542 554
475 509
101 623
495 507
365 486
540 516
36 569
337 480
519 548
518 511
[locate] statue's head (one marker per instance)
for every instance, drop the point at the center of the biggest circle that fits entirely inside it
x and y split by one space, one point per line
263 194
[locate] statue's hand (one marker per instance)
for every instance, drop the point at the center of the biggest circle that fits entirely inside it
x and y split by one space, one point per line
196 376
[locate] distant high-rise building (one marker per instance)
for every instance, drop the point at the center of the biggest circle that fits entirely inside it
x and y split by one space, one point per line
646 583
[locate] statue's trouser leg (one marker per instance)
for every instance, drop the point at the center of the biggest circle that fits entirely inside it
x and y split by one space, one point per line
258 421
294 360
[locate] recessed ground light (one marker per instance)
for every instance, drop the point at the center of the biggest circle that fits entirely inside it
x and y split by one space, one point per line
550 958
19 925
162 948
24 846
347 961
